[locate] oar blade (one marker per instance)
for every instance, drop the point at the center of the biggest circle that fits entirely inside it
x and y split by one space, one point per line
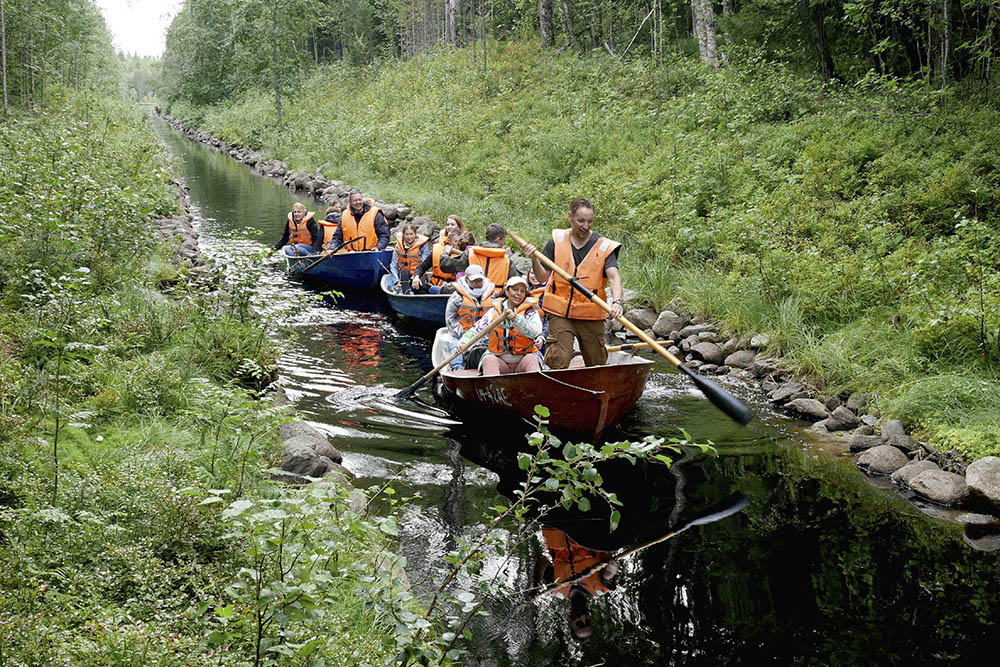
406 394
721 398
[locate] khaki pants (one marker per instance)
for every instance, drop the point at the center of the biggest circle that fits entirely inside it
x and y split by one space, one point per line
559 341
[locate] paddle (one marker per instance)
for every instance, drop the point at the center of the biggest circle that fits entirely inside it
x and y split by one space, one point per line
731 506
719 396
332 253
620 348
406 393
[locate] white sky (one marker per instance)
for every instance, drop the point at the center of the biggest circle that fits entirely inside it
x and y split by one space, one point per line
139 26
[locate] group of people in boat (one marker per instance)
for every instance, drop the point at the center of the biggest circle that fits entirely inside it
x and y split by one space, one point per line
537 316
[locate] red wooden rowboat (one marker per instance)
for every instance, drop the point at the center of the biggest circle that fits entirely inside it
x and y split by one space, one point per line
583 401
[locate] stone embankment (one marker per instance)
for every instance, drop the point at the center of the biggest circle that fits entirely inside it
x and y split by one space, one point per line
306 452
879 446
315 185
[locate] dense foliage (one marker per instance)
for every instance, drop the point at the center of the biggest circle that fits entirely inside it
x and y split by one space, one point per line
858 226
219 48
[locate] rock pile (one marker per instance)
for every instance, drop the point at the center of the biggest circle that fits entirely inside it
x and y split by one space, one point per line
881 447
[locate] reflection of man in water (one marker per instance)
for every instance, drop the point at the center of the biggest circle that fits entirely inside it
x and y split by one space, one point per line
566 561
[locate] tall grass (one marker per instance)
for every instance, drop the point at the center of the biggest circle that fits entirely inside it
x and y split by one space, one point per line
773 202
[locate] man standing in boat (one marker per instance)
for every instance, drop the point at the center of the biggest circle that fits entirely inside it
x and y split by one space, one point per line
593 260
302 236
362 220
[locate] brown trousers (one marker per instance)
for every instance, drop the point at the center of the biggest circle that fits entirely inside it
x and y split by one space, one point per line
559 341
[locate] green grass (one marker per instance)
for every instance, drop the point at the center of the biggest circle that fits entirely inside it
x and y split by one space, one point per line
155 397
768 200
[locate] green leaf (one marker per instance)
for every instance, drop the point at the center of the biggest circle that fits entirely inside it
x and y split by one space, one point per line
523 461
389 527
552 483
211 500
583 504
616 518
542 411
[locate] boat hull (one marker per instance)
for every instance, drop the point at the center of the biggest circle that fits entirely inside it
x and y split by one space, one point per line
426 308
348 270
582 401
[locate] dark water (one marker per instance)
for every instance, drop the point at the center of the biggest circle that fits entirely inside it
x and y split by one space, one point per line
821 568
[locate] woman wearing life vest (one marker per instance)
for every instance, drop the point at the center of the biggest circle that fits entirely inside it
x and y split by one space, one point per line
593 260
410 250
362 226
472 299
301 235
431 276
511 347
453 227
329 224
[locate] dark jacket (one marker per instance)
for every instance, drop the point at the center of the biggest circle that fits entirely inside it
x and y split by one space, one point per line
381 229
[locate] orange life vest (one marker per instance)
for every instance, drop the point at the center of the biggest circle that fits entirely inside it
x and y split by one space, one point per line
570 559
470 310
506 337
439 277
329 229
495 263
560 297
409 259
298 232
365 228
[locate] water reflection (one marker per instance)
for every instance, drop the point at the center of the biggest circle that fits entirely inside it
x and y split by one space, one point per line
820 569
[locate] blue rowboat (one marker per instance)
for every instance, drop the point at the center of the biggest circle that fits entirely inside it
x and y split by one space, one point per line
348 270
427 308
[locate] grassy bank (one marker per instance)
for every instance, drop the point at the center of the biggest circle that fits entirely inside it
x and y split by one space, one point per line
855 224
133 500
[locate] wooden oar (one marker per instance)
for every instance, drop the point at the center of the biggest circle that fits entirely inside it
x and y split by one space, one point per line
618 348
332 253
733 505
406 393
719 396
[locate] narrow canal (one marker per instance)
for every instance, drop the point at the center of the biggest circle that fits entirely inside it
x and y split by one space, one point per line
821 568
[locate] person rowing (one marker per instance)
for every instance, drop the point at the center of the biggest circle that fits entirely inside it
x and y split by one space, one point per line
512 346
593 260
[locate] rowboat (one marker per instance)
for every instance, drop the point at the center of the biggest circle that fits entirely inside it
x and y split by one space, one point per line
583 401
428 308
349 270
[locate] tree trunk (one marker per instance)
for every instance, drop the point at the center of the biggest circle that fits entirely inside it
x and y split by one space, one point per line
818 16
727 7
545 22
3 55
703 16
569 23
945 42
451 22
274 60
482 24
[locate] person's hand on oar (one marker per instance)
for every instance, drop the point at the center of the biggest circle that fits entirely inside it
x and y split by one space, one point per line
721 398
461 349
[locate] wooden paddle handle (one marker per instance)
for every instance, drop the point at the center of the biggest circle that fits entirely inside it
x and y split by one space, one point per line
598 300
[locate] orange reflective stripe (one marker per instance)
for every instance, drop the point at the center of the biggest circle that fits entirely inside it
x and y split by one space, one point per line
506 338
470 310
298 232
439 277
560 297
409 259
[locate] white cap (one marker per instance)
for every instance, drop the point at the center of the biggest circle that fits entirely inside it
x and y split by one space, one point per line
474 272
516 280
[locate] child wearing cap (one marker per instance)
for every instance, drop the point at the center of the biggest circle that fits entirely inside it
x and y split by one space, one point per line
511 346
